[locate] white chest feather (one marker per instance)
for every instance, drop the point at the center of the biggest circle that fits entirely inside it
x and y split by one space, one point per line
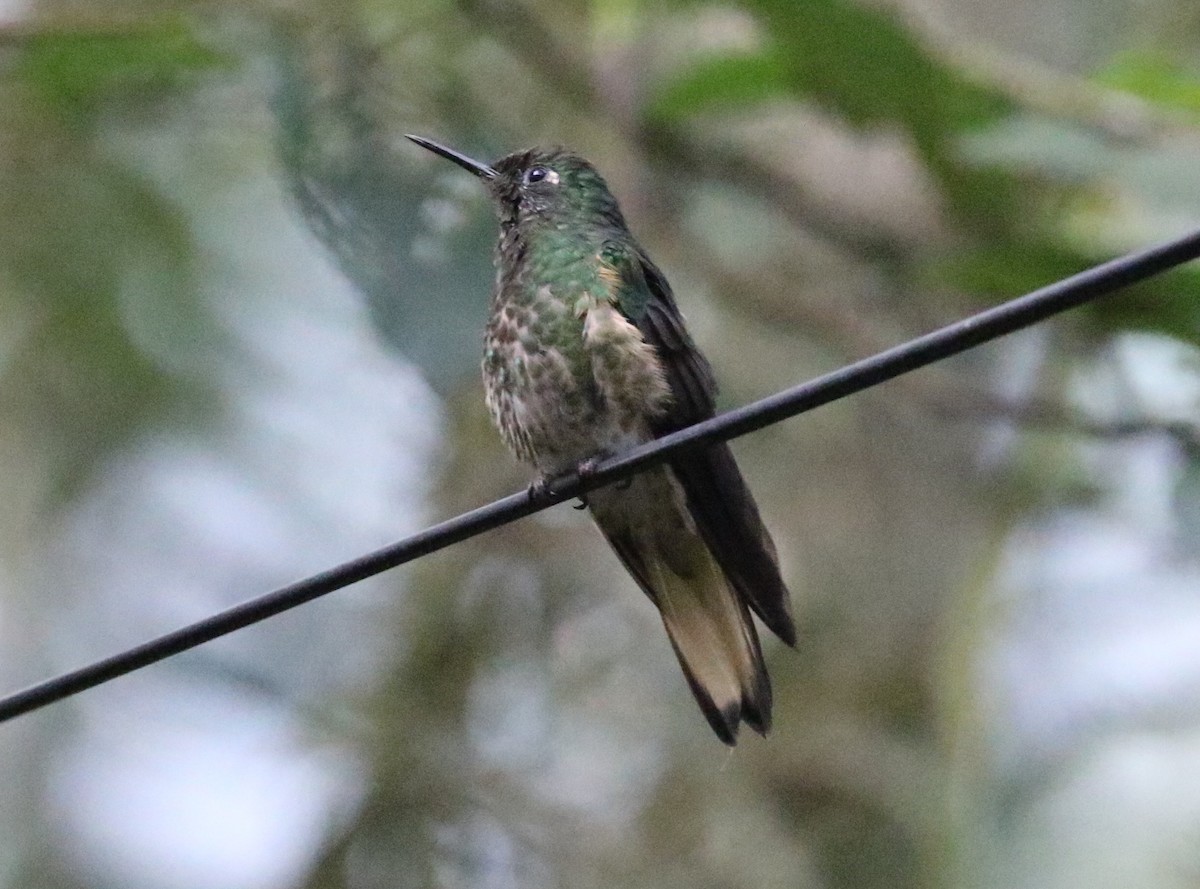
626 369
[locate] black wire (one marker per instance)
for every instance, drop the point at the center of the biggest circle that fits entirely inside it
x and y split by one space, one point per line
950 340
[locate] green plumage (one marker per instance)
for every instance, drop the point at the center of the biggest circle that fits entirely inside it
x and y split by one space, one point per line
586 354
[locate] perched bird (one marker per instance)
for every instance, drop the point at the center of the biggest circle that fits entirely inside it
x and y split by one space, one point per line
586 354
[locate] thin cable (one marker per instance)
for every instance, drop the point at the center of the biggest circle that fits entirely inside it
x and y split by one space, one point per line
942 343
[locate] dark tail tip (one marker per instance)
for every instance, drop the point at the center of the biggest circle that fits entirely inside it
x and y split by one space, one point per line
726 727
785 628
754 708
756 703
723 722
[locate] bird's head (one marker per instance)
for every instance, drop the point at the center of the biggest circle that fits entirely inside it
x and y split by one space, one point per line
540 185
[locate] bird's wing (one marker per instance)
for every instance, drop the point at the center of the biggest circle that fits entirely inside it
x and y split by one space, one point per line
644 297
718 499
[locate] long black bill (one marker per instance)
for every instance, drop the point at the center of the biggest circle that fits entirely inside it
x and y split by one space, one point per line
483 171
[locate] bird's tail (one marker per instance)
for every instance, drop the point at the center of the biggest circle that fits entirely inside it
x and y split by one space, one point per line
716 643
709 625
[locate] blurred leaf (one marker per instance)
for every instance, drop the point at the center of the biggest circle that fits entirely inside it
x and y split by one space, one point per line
1154 77
719 83
865 66
857 62
1168 303
75 70
1009 269
83 390
79 238
862 65
1147 183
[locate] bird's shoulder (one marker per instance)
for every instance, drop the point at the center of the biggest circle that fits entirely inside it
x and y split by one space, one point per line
640 291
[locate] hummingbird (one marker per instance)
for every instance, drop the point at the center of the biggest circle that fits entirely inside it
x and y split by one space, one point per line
586 354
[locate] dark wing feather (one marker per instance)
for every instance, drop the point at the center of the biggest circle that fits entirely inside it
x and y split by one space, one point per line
719 500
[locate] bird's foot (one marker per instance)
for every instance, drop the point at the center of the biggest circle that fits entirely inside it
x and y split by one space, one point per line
542 488
588 468
539 489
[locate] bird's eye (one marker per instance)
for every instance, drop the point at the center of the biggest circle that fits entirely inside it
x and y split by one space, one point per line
535 174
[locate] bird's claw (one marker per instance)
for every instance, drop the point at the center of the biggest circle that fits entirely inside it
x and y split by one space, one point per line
589 466
586 469
539 489
542 488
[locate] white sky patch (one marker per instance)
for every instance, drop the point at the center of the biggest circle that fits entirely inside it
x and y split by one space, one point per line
224 795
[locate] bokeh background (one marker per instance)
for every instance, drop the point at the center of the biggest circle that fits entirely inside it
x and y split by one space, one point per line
239 332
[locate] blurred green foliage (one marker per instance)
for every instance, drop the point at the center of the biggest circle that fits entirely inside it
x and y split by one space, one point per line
76 70
1156 77
81 236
